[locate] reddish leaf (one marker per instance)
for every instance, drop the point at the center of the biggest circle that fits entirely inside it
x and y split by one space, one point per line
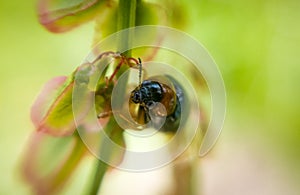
45 98
52 110
50 161
59 119
61 15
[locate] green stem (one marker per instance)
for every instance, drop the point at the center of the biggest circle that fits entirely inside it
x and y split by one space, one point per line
101 168
126 19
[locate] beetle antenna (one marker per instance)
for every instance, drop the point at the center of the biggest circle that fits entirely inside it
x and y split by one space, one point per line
140 71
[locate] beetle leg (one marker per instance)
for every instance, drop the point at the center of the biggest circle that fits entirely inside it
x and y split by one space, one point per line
130 124
104 114
135 62
104 54
116 70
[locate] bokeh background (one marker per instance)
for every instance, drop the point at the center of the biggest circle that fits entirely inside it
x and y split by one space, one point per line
256 45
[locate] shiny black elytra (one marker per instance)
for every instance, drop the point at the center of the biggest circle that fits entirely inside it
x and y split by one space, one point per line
159 99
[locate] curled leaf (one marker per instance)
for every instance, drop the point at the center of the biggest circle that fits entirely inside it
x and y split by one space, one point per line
59 119
45 98
60 15
52 110
50 161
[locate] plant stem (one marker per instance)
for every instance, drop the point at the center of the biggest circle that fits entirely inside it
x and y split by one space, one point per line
126 19
101 168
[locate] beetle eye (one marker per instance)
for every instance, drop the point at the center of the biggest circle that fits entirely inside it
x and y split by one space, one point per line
136 97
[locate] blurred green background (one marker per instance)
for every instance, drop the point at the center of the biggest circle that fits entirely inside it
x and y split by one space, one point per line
256 45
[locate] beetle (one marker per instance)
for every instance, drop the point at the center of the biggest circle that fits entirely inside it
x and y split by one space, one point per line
158 99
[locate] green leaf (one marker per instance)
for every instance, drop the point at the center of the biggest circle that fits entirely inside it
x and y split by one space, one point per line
61 15
50 161
52 110
150 14
48 94
106 24
59 119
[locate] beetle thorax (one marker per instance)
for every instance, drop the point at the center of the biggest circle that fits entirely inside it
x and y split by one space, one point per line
148 91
